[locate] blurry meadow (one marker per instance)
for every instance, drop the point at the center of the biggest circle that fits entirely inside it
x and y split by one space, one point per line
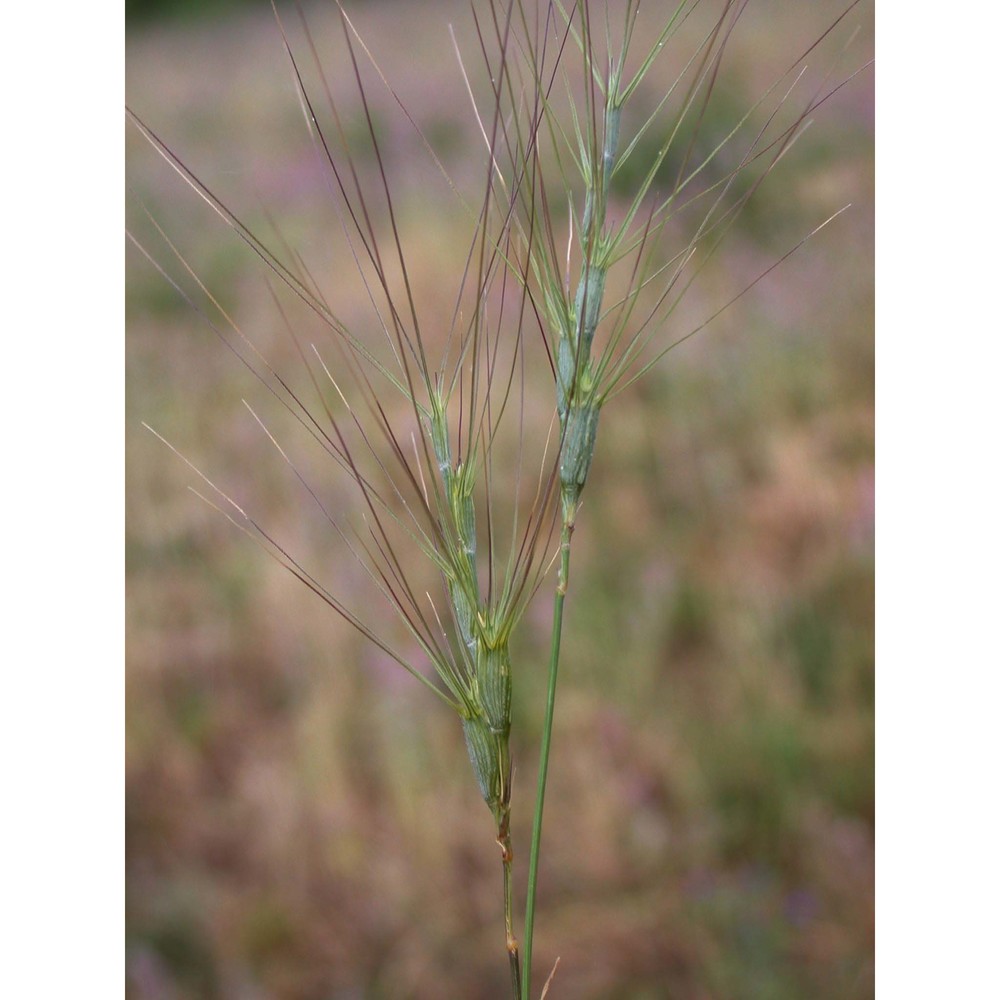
301 819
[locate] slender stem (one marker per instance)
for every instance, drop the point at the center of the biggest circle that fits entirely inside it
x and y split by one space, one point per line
507 856
543 760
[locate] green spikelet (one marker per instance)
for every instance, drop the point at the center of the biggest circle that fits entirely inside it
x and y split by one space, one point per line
612 128
565 375
465 614
484 752
578 451
589 295
439 438
464 589
462 507
493 681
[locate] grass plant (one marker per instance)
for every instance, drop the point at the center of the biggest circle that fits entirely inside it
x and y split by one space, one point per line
464 435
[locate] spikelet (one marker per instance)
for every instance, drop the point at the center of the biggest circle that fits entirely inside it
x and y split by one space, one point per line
577 453
589 296
484 752
494 686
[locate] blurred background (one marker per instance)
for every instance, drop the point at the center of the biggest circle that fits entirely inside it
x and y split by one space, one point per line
302 820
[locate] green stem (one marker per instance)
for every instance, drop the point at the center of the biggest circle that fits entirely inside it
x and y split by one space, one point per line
507 855
543 760
502 815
